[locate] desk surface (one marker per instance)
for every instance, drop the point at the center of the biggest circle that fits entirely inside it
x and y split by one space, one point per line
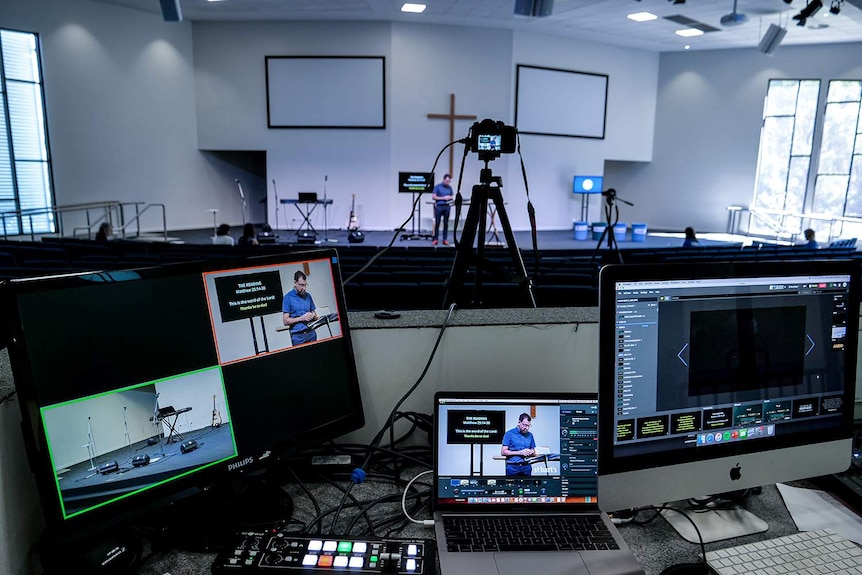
655 545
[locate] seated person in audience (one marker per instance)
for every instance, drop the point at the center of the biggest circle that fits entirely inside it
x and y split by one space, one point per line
223 237
810 241
690 240
247 238
105 232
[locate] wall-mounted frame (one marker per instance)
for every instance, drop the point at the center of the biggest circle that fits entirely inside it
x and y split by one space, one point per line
578 108
326 92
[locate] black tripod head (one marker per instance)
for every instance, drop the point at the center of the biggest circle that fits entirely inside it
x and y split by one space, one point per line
487 177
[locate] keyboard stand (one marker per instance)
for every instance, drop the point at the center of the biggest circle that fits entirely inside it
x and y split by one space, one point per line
715 524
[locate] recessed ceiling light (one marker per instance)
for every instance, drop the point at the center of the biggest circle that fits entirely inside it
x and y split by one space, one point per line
641 16
413 8
689 32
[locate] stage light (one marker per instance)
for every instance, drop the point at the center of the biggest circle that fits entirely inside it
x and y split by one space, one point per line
810 10
836 6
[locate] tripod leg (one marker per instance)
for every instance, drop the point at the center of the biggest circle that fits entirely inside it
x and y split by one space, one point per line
497 197
462 253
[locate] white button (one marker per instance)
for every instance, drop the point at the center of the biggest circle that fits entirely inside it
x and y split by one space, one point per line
360 547
410 565
309 560
315 545
411 550
357 562
340 561
330 545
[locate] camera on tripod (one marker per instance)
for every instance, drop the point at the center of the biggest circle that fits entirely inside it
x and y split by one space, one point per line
490 138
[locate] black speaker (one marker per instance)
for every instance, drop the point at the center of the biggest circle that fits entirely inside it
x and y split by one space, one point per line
140 460
152 440
356 237
109 467
306 237
536 8
189 445
171 10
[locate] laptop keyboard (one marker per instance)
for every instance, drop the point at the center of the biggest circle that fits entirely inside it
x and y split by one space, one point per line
543 533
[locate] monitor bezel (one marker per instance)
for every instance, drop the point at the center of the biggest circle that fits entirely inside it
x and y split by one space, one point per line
660 475
244 463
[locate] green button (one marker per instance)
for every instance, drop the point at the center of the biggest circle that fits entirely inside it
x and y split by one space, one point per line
345 546
373 559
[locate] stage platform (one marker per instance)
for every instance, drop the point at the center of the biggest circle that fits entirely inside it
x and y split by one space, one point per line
546 240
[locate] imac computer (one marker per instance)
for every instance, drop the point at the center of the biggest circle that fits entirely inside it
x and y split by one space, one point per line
144 390
720 377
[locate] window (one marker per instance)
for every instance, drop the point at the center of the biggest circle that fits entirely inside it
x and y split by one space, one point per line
25 165
790 193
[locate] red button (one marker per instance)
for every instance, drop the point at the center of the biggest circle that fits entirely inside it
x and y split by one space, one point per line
325 561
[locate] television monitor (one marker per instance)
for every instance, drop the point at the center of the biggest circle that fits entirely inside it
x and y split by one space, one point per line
415 182
587 184
140 388
720 377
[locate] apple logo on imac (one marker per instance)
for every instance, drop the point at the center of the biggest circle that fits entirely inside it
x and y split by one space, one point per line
735 473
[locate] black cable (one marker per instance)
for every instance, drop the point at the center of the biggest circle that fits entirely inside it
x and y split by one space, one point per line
305 488
403 225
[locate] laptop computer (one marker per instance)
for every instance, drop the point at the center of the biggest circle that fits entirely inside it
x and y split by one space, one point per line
306 197
513 460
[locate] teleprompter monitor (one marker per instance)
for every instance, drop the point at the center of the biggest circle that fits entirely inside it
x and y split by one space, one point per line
144 387
719 377
415 182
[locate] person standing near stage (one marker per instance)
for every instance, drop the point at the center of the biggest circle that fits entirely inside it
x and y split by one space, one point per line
518 445
298 309
442 195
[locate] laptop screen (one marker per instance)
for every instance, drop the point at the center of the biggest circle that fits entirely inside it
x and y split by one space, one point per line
530 449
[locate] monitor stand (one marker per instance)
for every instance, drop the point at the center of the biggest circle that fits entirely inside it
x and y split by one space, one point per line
714 524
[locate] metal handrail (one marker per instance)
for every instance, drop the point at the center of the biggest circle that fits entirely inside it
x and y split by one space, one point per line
111 211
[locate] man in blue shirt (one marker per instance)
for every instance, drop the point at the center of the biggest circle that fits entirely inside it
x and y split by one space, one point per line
298 309
518 445
442 195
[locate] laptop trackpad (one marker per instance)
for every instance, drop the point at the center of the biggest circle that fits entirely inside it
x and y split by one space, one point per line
546 563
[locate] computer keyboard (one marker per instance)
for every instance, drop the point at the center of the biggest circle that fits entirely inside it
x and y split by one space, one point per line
822 551
542 533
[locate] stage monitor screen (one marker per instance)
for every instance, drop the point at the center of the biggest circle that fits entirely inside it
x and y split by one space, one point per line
141 386
587 185
718 377
415 182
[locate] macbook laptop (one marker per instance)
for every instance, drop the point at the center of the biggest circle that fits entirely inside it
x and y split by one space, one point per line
522 465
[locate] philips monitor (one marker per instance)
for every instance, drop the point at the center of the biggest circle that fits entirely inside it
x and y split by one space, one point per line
144 387
587 185
720 377
415 182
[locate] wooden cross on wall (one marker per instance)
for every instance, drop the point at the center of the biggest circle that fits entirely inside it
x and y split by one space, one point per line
451 116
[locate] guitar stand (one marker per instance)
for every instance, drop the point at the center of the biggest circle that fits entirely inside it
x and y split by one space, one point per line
475 220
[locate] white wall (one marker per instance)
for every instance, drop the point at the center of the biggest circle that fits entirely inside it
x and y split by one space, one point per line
710 106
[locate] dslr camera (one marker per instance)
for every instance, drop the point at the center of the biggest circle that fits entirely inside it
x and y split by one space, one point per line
490 138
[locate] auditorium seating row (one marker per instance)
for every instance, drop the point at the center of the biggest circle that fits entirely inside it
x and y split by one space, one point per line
402 277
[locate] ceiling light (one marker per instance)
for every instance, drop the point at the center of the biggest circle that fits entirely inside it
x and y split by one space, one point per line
689 32
642 16
413 8
677 1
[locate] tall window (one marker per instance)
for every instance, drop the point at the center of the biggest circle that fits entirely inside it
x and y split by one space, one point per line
25 164
789 152
786 144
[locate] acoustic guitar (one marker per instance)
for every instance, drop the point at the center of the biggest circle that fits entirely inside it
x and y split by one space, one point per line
216 415
353 221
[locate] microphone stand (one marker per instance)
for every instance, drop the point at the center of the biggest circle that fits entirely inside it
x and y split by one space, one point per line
275 191
326 237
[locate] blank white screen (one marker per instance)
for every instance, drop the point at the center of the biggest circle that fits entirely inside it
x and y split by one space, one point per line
325 92
560 102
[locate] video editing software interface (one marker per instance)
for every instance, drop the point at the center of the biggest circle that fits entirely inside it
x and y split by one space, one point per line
560 467
710 362
150 376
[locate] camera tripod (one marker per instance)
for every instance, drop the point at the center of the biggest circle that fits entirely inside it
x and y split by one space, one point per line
611 209
475 221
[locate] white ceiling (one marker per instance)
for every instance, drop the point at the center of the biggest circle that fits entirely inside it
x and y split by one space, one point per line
593 20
